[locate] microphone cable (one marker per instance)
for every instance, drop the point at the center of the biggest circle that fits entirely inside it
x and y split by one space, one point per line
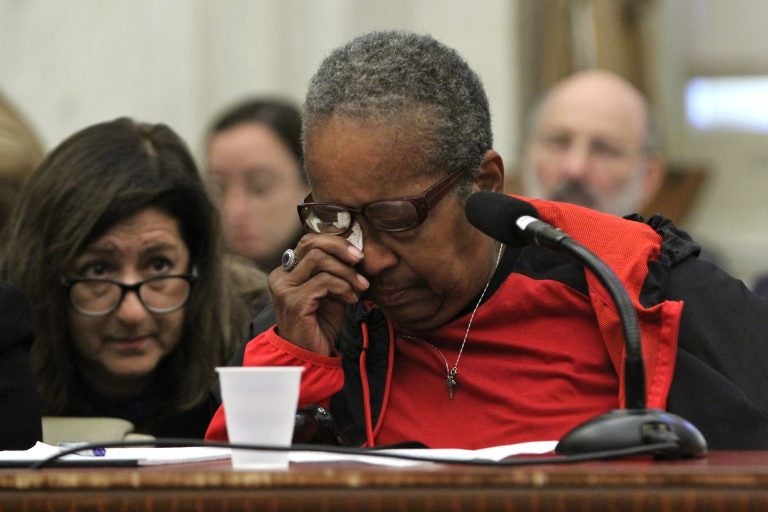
656 449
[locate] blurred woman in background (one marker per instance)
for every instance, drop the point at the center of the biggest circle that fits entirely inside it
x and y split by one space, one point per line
20 152
255 169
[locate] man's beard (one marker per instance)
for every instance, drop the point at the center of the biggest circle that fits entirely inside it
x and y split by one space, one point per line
575 192
621 202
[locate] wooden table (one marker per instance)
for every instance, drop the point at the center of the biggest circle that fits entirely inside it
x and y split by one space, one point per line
723 481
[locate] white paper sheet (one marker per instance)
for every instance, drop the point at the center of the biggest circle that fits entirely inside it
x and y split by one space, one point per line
142 456
493 453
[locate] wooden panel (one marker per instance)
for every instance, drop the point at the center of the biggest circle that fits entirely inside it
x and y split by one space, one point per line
732 481
677 196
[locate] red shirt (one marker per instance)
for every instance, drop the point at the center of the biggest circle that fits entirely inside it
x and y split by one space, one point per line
541 357
521 377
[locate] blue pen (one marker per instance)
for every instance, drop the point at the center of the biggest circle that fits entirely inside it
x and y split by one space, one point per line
98 451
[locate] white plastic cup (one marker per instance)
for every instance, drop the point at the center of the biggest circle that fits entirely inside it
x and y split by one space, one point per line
260 408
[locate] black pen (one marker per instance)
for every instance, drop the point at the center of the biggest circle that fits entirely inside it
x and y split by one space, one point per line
97 451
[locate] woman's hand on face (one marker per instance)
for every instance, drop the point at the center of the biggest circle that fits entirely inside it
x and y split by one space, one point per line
310 299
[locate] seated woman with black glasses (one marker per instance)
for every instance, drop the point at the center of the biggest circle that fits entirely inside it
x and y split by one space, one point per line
117 247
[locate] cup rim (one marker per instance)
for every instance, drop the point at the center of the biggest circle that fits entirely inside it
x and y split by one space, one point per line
259 368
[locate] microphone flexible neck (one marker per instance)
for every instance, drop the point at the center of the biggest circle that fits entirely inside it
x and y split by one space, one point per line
634 368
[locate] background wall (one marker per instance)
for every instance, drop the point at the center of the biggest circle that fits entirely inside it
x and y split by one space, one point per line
717 38
70 64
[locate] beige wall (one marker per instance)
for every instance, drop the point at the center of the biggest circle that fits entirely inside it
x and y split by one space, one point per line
717 37
69 64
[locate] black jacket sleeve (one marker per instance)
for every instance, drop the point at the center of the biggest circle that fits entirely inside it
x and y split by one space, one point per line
20 423
721 375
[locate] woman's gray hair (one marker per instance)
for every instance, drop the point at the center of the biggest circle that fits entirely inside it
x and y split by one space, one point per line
397 75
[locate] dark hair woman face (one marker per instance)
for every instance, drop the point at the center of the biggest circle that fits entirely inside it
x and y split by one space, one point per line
123 201
127 344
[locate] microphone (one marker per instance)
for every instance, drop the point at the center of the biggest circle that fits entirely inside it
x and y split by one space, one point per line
509 220
515 222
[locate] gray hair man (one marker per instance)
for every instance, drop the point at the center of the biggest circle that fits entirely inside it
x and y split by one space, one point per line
592 142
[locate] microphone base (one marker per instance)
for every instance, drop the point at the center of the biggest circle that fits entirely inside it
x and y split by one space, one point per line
631 428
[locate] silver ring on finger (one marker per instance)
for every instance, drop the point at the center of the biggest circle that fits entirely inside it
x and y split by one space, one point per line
290 260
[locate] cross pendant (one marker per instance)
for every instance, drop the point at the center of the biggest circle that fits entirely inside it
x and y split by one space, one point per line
451 382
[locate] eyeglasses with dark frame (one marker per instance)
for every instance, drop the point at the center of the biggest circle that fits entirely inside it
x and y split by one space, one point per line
101 297
391 215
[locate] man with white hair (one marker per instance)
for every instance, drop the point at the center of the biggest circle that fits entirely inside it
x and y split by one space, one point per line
592 142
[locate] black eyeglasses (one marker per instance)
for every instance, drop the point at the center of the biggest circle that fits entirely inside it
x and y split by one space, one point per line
101 297
391 215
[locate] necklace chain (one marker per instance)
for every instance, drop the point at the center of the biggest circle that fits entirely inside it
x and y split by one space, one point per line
450 373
